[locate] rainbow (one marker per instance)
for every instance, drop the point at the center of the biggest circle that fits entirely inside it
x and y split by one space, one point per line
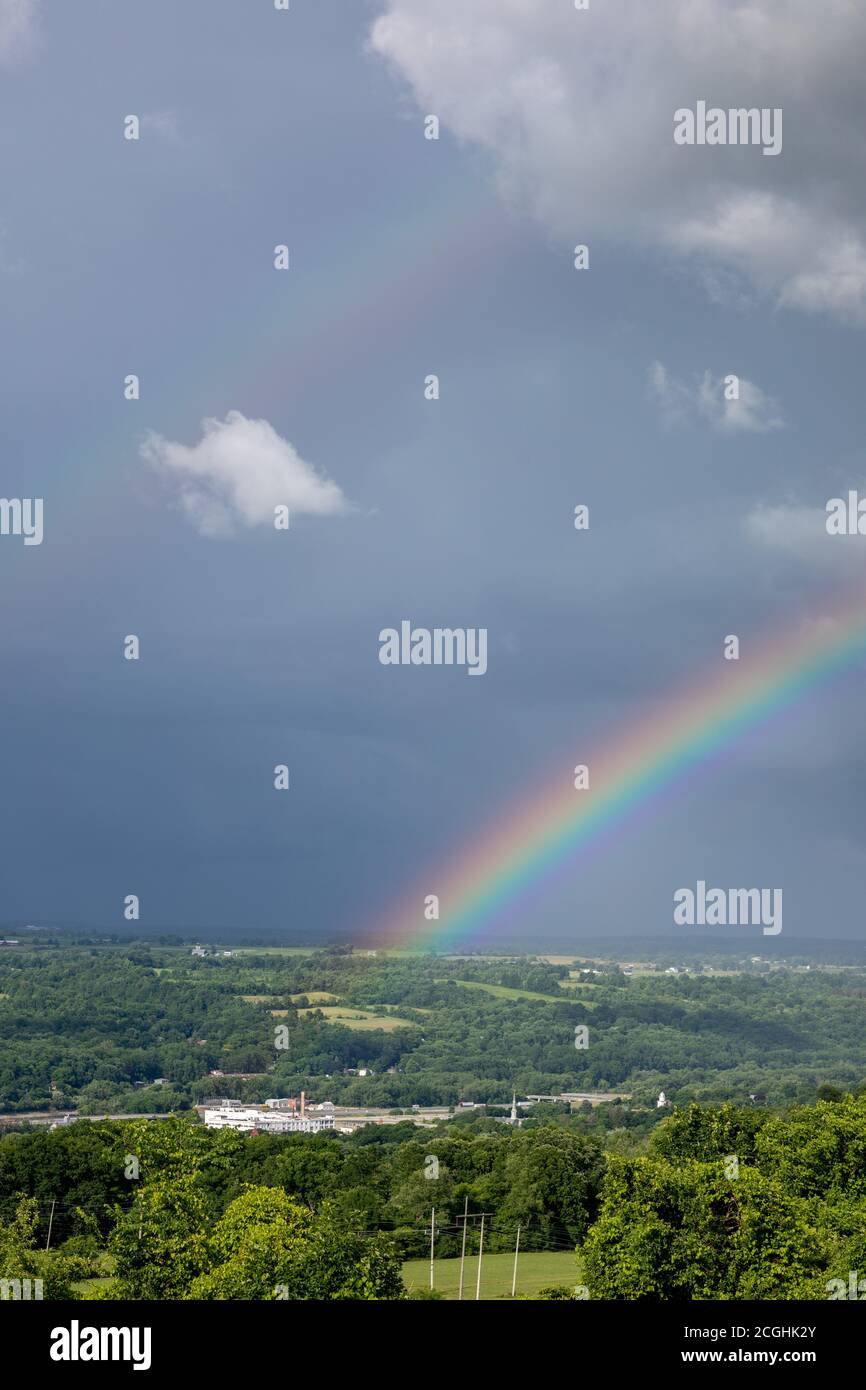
547 828
307 330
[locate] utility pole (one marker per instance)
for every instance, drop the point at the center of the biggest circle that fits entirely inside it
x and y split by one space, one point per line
50 1222
432 1239
463 1250
480 1249
514 1275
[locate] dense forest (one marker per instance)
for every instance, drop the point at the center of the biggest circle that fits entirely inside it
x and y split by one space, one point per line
717 1203
142 1027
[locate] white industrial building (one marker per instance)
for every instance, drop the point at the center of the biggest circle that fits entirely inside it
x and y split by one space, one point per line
264 1120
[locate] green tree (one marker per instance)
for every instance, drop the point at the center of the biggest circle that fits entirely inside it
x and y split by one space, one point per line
266 1247
552 1177
20 1259
688 1231
160 1244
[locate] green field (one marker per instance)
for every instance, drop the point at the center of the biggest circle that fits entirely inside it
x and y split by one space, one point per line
506 992
272 950
535 1270
358 1019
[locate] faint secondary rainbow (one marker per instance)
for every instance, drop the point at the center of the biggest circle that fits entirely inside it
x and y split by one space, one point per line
478 887
305 331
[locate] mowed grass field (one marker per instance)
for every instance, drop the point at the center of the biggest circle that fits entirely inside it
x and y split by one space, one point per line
274 950
507 992
315 996
358 1019
537 1269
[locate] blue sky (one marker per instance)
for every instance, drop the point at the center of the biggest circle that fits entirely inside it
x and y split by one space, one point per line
409 257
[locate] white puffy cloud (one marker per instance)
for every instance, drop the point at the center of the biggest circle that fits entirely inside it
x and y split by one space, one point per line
674 399
576 109
800 533
752 411
17 27
797 255
237 473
